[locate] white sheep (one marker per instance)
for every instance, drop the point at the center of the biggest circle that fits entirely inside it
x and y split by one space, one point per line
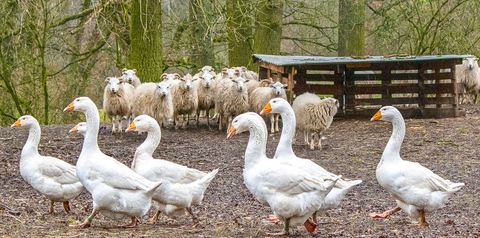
254 84
206 94
469 74
170 77
262 95
185 99
117 99
314 115
130 76
155 100
231 99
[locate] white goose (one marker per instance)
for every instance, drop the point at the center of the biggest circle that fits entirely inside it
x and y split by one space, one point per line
182 187
416 189
285 153
117 191
292 194
80 128
54 178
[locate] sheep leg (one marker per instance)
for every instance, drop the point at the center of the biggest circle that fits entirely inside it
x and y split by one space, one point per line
312 143
272 123
319 141
185 124
220 120
208 118
176 120
119 127
276 122
66 206
305 135
198 116
114 118
188 119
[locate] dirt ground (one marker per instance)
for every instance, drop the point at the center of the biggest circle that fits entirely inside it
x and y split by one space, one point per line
352 148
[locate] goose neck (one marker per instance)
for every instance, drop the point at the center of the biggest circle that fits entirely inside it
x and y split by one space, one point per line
31 146
284 147
257 143
149 145
90 142
392 150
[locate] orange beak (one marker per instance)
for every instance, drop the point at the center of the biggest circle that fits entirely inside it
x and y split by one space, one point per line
75 129
16 124
266 109
131 127
231 132
69 107
377 116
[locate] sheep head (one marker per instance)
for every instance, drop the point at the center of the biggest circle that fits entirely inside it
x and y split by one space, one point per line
188 81
239 84
207 79
129 75
163 89
472 63
114 84
206 69
278 88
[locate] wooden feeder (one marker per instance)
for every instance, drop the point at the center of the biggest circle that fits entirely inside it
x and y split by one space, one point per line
419 86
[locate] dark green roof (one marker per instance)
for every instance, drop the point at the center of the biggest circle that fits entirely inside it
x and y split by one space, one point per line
303 60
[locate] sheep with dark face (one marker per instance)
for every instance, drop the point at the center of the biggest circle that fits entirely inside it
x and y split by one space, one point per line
206 94
262 95
130 76
155 100
469 74
117 98
185 99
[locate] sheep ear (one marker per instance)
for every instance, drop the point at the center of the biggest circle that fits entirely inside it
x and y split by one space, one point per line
120 79
124 69
233 80
224 70
135 71
285 85
199 70
213 77
107 79
237 72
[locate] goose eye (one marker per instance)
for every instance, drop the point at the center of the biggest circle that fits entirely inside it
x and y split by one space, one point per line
236 121
78 100
23 119
384 109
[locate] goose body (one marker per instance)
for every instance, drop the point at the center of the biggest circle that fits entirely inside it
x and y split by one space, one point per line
54 178
292 194
182 187
116 190
285 153
416 189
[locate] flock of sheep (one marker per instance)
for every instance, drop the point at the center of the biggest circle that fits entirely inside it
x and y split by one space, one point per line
232 92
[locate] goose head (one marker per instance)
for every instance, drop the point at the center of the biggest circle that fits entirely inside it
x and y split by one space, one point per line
387 113
142 123
25 121
80 104
80 128
242 123
275 105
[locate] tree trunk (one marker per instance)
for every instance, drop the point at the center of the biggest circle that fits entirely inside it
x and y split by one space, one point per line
146 40
268 27
202 52
239 28
42 41
351 32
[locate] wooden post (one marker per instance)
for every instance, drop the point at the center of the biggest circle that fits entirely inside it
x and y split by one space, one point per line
339 81
291 84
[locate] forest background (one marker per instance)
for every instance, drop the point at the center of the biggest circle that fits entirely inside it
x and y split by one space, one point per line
52 51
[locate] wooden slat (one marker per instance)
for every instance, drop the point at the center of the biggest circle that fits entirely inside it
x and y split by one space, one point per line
411 113
386 77
333 67
437 76
272 66
403 100
316 77
318 89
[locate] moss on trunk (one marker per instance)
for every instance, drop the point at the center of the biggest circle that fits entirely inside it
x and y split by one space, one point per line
146 40
351 32
268 27
239 28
